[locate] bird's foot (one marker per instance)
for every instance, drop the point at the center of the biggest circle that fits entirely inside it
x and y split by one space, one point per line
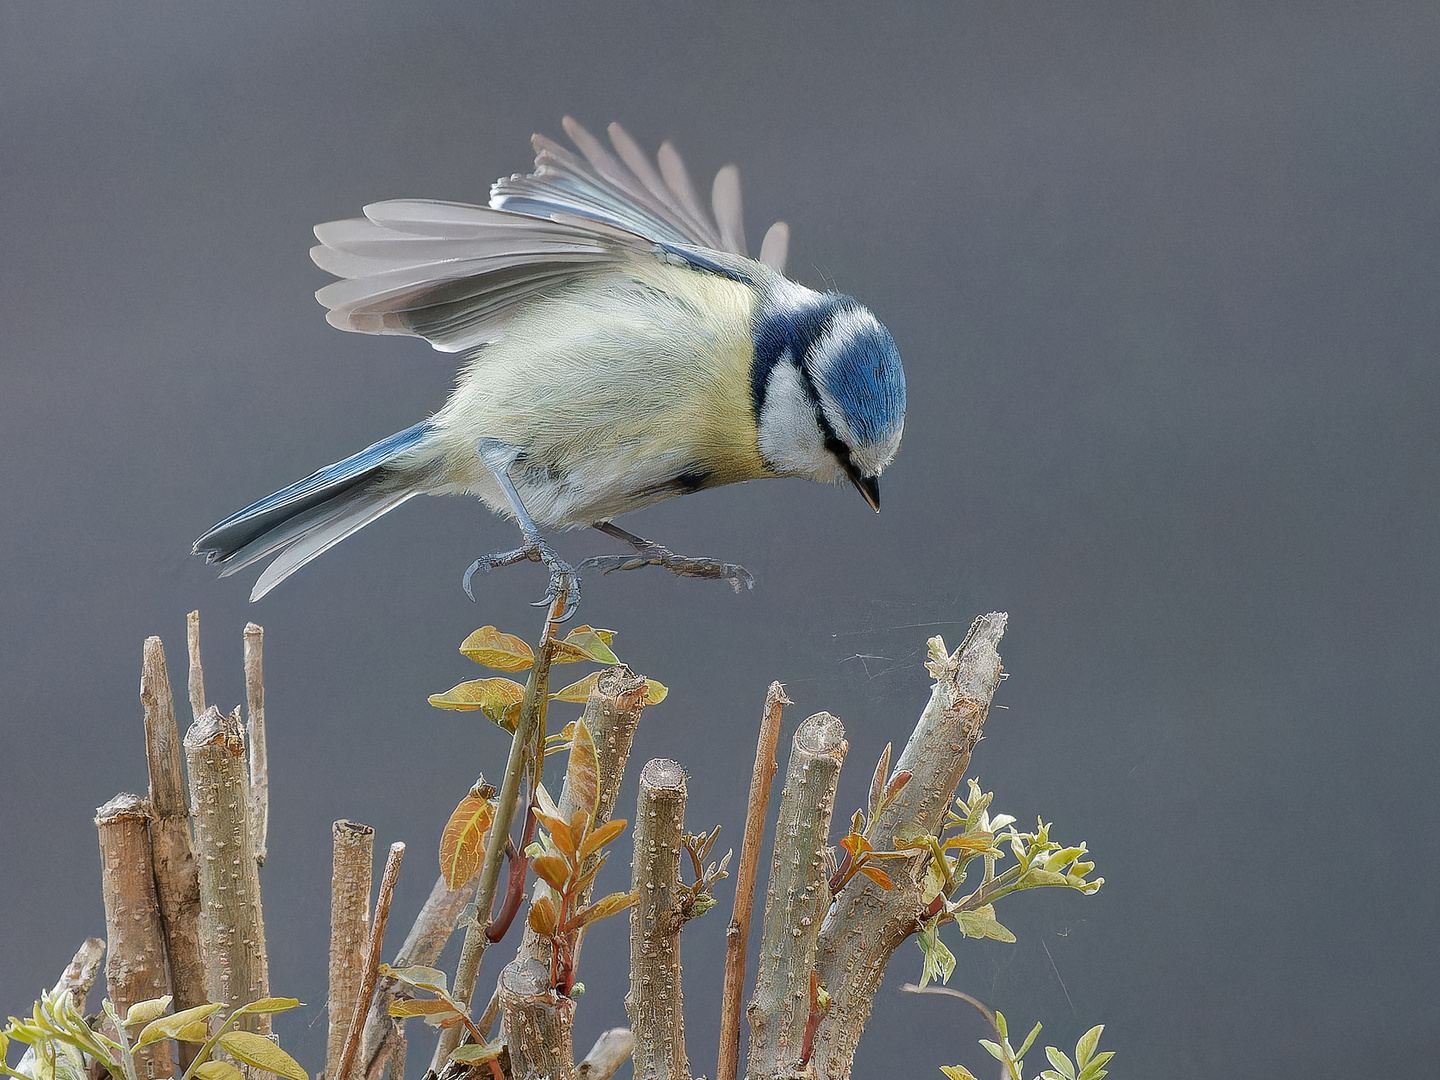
648 554
563 577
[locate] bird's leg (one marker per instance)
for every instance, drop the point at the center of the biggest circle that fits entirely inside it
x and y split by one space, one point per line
498 457
648 554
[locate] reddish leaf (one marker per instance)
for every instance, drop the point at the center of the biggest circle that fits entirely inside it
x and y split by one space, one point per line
875 874
855 844
877 782
897 784
543 917
582 776
462 844
553 870
610 905
602 836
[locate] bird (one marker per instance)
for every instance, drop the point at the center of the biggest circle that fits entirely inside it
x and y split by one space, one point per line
617 346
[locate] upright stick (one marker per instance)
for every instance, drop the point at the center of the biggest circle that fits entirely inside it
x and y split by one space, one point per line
352 863
737 935
372 960
197 673
255 732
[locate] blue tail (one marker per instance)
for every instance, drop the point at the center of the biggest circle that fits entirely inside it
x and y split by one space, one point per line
312 515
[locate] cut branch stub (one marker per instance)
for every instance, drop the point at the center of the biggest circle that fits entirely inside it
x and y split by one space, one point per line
353 863
867 923
135 970
795 900
232 926
655 1001
535 1023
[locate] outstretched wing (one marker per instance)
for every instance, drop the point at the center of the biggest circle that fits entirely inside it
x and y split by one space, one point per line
453 273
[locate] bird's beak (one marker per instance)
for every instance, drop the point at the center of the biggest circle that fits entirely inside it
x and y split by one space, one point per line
869 486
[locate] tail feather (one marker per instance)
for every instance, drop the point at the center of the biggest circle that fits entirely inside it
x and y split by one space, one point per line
312 515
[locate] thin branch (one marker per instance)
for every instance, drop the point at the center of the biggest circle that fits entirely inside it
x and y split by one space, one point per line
737 935
654 1003
197 673
352 863
795 900
980 1006
135 970
372 960
177 882
867 923
522 749
255 731
232 924
80 975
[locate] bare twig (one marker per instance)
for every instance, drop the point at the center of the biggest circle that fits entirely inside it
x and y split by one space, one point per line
372 961
80 975
654 1003
135 970
980 1007
536 1023
255 732
177 883
353 861
429 933
611 1050
737 935
232 924
866 924
795 900
197 673
522 750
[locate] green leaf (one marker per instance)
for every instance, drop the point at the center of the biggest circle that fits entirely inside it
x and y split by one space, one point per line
586 643
268 1005
981 923
494 697
958 1072
1063 1068
1095 1070
143 1012
178 1026
655 691
426 978
493 649
939 960
578 692
1029 1040
260 1052
1085 1047
218 1070
993 1049
475 1054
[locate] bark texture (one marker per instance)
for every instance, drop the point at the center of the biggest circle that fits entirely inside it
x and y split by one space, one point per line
795 900
655 1003
535 1023
352 863
232 925
135 970
611 1050
867 923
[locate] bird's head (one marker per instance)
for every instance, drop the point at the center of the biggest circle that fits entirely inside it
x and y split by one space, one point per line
828 389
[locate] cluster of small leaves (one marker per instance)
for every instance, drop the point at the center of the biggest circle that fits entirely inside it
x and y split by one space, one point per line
969 833
566 859
1088 1065
499 698
443 1011
697 898
63 1046
860 854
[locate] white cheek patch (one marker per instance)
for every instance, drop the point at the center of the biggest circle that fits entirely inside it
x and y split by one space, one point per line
790 440
872 459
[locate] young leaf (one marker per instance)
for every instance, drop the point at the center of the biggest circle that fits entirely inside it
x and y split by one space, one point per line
582 776
578 692
426 978
958 1072
462 844
875 874
1062 1067
604 908
502 652
877 782
981 923
260 1052
1085 1048
856 844
218 1070
177 1025
655 691
553 870
143 1012
475 1054
268 1005
545 804
602 836
543 916
896 785
586 643
404 1007
496 698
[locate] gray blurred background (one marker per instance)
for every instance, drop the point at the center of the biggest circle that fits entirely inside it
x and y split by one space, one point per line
1164 278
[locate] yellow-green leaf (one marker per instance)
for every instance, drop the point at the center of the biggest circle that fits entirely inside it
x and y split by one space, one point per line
143 1012
578 692
586 643
218 1070
462 844
260 1052
582 776
179 1026
957 1072
493 697
475 1054
655 691
503 652
421 1007
268 1005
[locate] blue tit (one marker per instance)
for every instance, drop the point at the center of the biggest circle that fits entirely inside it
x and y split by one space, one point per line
617 347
